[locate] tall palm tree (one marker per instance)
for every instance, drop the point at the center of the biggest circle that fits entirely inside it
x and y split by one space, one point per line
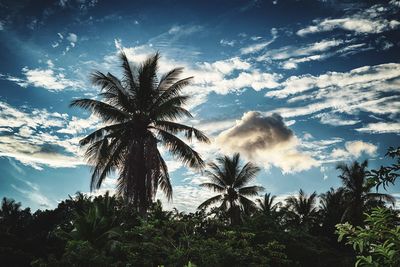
301 210
139 111
230 181
267 205
358 191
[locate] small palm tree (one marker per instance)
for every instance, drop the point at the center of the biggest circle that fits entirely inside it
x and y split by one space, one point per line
301 210
267 205
139 111
96 223
230 180
333 206
358 191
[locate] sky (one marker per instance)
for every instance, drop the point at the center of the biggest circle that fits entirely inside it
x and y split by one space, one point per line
294 86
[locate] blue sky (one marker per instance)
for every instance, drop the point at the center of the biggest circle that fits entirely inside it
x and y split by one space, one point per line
295 86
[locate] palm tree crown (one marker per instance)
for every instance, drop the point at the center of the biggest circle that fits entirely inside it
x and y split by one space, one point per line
302 208
139 111
358 191
267 205
230 180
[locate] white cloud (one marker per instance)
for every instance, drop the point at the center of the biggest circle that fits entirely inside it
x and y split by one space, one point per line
369 88
44 78
34 195
381 127
79 125
259 46
224 42
358 25
33 141
335 120
367 21
186 198
267 141
222 76
72 37
354 149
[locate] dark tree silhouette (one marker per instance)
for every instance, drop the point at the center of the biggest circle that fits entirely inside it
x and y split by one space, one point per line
139 111
358 191
267 205
301 209
230 180
333 206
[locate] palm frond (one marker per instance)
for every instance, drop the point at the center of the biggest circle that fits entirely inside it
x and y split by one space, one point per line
247 174
210 202
180 149
250 190
175 128
107 112
382 197
214 187
164 180
128 74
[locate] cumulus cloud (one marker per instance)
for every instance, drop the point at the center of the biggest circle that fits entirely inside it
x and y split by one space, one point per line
354 149
267 141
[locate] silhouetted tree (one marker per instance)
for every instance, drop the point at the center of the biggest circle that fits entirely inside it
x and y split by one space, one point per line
138 111
267 205
301 210
333 206
230 180
358 191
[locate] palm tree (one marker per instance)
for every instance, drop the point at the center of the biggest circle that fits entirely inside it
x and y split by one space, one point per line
97 223
301 210
230 180
333 206
267 205
358 191
139 111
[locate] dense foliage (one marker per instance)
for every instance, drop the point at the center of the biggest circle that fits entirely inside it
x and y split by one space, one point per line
108 231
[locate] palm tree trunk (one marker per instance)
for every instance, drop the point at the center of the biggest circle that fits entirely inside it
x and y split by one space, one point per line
141 180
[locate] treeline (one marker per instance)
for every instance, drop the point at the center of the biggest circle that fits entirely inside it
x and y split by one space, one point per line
303 230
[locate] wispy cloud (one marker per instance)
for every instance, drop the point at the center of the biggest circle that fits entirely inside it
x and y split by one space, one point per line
31 140
259 46
369 88
32 192
381 127
49 79
368 21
